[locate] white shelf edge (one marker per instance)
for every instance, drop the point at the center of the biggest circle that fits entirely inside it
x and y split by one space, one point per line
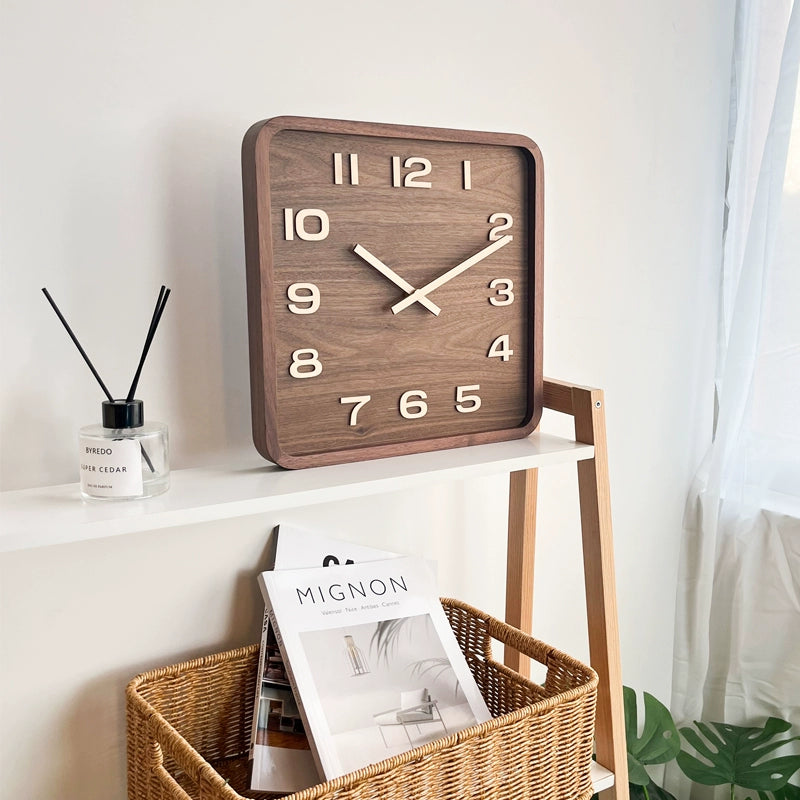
54 515
602 778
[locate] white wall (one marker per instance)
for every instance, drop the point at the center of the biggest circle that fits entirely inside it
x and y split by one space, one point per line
120 136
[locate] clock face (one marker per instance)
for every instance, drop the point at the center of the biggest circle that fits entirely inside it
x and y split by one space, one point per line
394 288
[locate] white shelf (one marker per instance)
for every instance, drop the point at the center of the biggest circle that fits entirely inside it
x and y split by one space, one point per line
602 778
56 514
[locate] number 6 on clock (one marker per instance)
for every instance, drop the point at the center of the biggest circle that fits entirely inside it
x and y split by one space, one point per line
383 321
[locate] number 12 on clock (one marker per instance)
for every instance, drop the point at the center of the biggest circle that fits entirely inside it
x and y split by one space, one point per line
394 279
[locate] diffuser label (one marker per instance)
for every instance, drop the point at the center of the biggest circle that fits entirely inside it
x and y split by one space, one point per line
111 467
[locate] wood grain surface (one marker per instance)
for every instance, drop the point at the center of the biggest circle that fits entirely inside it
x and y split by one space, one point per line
419 233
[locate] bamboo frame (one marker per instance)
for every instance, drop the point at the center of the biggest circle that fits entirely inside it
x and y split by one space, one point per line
587 407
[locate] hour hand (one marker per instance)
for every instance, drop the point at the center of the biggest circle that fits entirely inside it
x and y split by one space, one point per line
389 273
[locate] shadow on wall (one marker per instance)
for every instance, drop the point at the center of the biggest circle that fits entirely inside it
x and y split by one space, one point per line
208 368
92 727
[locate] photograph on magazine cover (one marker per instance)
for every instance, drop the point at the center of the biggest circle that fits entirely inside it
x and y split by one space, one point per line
279 722
384 688
282 760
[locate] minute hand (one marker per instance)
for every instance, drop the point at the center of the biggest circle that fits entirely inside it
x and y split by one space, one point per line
417 296
389 273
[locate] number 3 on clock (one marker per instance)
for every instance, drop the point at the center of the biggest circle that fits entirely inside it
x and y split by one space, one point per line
394 285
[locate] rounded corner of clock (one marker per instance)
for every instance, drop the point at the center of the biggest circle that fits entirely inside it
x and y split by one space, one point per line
267 449
260 133
287 458
526 143
251 135
531 153
533 422
286 461
535 150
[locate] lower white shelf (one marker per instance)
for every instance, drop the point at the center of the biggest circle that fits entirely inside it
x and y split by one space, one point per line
57 515
602 778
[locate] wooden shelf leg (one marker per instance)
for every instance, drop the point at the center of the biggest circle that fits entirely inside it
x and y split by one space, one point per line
519 560
601 604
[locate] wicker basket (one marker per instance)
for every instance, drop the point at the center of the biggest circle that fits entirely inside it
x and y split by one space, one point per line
189 730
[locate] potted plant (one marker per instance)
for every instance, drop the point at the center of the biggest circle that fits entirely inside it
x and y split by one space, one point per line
740 757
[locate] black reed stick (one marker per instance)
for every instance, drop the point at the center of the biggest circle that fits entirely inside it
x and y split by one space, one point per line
77 344
163 296
146 458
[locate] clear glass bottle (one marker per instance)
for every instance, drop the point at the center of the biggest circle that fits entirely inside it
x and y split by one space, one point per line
124 459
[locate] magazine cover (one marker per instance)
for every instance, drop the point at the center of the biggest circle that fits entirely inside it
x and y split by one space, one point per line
372 657
279 751
297 548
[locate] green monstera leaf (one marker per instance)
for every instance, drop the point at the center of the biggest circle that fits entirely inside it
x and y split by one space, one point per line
787 792
735 755
659 742
652 791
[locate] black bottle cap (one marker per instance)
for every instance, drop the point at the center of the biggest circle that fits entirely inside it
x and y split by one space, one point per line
123 414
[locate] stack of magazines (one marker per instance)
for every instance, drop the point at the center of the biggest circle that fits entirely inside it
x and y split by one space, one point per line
358 663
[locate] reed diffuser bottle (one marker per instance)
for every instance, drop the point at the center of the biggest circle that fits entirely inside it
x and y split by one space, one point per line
123 458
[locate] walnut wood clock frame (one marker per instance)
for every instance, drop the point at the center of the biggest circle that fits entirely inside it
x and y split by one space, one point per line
266 296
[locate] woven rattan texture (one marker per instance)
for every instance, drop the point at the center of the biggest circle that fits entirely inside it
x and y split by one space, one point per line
189 730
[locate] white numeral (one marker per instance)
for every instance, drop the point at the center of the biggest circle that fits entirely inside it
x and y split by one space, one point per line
338 172
505 295
412 178
360 401
467 174
463 397
307 294
296 224
413 405
501 348
496 232
305 363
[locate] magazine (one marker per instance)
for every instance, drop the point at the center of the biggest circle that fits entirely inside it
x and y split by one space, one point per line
281 759
299 549
372 660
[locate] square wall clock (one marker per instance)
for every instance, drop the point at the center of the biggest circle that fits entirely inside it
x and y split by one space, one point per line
394 288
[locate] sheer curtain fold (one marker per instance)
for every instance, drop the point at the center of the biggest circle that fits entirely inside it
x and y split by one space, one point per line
737 647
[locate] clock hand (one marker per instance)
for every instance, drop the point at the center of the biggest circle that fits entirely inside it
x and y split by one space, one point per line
420 295
389 273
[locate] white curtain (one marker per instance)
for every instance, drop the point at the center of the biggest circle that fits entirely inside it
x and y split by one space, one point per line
737 647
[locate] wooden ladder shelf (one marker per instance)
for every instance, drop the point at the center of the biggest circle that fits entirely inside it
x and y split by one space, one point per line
587 407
